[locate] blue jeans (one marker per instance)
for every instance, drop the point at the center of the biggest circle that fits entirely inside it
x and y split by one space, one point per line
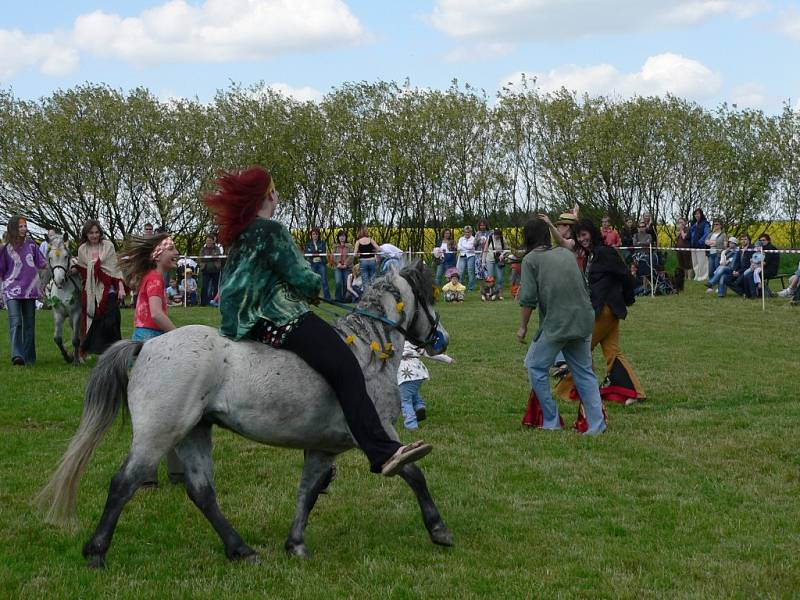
578 354
210 287
720 278
368 269
321 269
496 271
713 262
340 283
411 402
441 269
142 334
22 329
467 263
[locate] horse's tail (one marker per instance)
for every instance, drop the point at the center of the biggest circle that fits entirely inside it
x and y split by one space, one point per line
106 392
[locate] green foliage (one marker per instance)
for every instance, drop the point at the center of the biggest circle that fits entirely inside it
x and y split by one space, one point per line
392 156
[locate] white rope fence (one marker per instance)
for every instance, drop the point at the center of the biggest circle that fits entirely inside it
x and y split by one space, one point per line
411 253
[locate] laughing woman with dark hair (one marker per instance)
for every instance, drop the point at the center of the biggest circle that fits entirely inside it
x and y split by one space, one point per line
611 291
265 294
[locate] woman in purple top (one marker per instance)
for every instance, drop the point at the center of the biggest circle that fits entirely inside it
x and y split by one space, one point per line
20 261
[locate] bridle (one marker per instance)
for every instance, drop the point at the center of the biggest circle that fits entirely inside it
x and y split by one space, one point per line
54 268
433 321
432 336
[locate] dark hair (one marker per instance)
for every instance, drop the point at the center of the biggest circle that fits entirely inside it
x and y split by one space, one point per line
765 235
87 227
594 232
314 230
146 225
238 199
135 258
341 233
12 231
702 214
483 222
536 233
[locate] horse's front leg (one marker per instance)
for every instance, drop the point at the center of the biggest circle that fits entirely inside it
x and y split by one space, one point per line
316 476
438 531
58 331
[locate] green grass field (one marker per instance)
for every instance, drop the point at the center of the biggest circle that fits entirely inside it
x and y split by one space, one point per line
694 493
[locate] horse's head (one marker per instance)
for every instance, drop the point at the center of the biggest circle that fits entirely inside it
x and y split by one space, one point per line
58 258
424 328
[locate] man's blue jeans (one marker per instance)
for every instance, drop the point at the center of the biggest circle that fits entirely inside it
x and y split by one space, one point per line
22 329
578 354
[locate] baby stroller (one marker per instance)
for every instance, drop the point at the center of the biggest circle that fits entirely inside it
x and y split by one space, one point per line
661 281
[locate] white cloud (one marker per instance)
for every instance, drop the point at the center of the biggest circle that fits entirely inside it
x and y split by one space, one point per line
301 94
659 75
749 95
789 24
482 51
218 30
514 20
47 52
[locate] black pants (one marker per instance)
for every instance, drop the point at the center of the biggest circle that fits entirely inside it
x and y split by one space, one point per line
320 346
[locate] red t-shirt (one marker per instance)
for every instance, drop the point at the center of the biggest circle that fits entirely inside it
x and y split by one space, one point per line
152 285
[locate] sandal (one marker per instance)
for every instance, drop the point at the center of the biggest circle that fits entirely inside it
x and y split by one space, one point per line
403 456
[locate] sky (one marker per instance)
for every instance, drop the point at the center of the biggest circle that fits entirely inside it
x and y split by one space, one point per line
743 52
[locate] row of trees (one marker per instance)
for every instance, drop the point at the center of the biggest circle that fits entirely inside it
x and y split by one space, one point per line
394 157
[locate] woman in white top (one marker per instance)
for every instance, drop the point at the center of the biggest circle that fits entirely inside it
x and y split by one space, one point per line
716 244
466 257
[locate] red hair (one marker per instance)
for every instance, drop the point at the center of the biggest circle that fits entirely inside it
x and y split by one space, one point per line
238 198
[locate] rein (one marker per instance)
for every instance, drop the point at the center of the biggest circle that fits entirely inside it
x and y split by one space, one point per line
433 321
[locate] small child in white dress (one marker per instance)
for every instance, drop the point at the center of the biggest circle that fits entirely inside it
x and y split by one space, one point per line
410 375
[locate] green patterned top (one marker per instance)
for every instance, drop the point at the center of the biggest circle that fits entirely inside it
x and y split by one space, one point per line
265 277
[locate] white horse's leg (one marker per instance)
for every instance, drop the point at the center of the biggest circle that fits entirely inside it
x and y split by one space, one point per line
316 475
58 331
438 531
195 454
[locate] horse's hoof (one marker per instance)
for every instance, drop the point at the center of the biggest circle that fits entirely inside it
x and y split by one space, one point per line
244 554
441 535
96 562
299 550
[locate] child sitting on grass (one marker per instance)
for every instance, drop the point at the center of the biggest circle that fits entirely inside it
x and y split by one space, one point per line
173 294
410 376
188 288
490 290
453 289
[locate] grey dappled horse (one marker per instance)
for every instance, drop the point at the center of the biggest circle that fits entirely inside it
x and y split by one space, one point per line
267 395
63 295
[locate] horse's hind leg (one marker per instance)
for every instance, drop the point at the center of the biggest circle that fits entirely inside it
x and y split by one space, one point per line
316 475
195 454
438 531
123 486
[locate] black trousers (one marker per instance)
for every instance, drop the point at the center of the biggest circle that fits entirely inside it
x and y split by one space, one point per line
320 346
